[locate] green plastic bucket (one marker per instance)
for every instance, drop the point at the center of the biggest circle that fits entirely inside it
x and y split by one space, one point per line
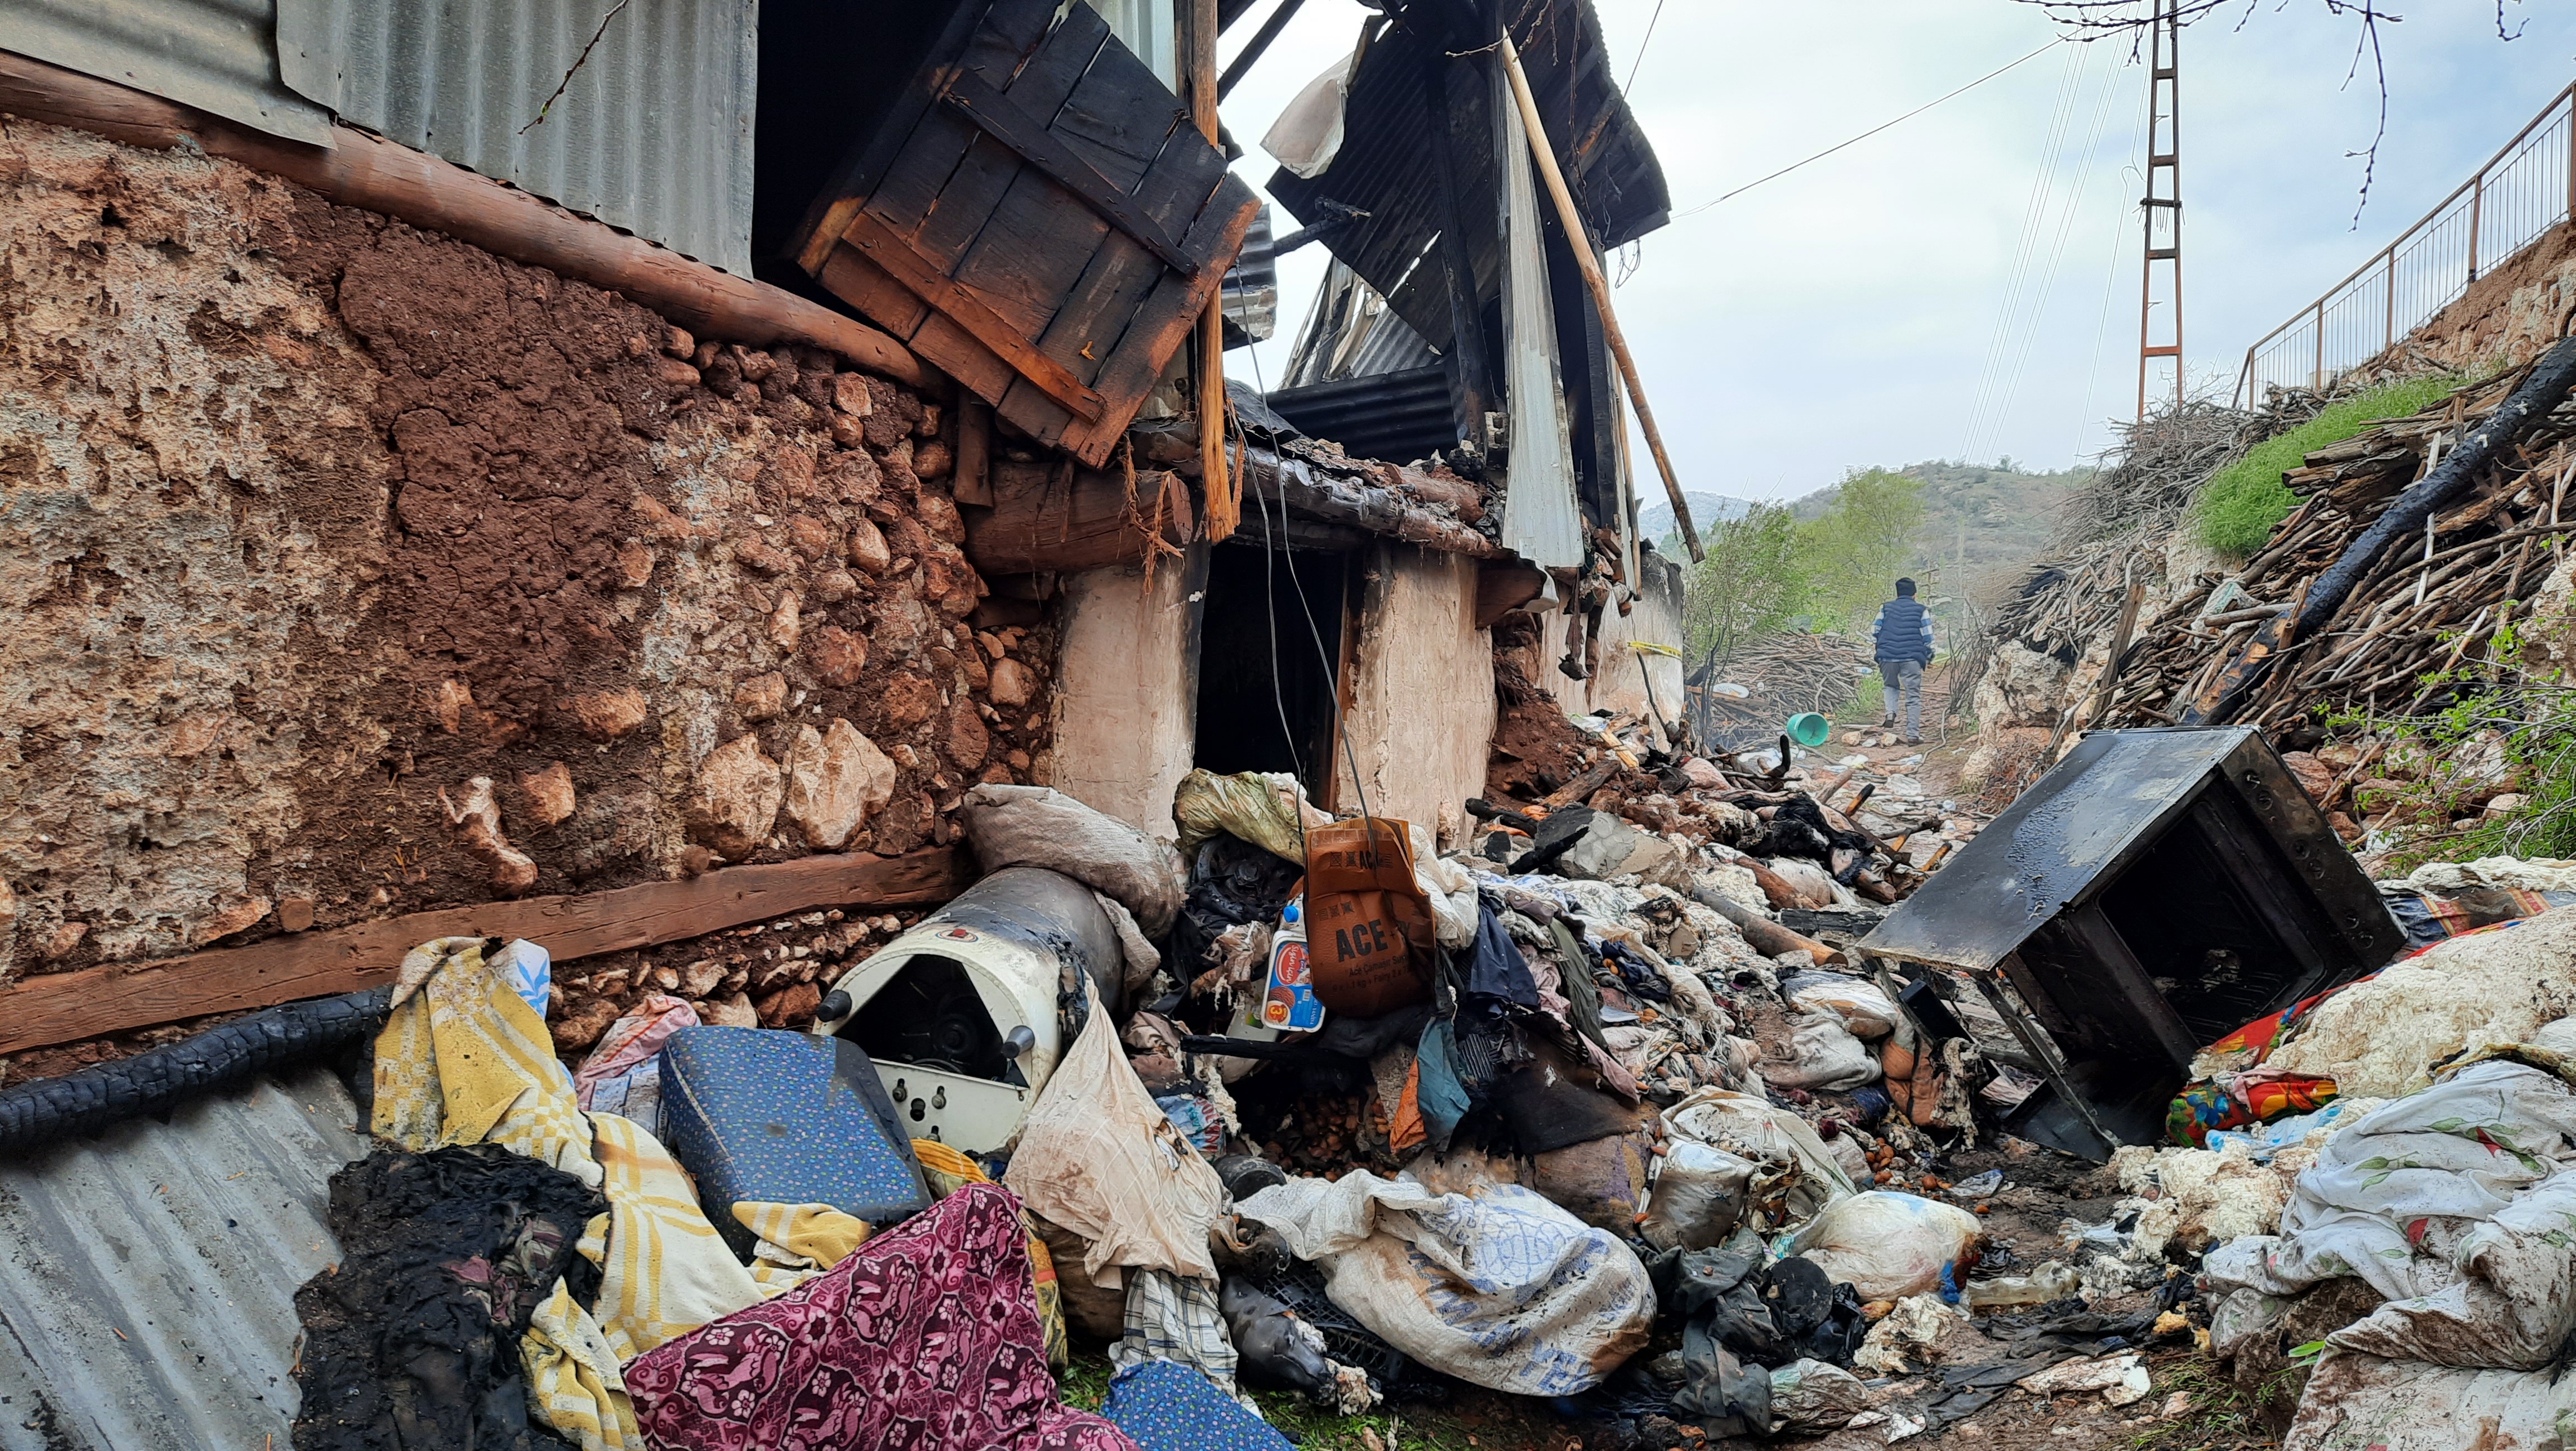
1810 729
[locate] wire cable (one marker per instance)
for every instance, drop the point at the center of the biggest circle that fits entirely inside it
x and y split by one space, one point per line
1630 84
2043 185
1874 130
2082 168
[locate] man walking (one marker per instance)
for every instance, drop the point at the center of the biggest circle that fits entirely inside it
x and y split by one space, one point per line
1903 637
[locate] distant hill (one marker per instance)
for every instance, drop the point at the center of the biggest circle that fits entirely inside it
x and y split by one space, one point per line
1707 510
1976 516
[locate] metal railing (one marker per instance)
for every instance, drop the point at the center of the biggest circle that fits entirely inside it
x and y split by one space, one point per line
2524 189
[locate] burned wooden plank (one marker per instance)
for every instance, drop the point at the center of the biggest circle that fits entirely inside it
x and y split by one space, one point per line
63 1007
962 305
1168 313
1014 128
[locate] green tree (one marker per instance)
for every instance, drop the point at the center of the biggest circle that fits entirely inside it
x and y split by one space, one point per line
1852 553
1750 583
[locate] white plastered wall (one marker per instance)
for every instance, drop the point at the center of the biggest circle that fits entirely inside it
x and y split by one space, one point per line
1123 702
1421 715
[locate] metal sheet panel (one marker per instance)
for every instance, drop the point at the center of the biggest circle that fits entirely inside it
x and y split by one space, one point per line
653 132
1541 521
2057 841
216 55
147 1278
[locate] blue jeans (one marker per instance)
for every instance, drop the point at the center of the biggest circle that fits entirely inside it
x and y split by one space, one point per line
1904 681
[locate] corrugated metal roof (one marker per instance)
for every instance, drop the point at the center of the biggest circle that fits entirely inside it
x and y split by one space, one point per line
1386 165
652 134
215 55
147 1279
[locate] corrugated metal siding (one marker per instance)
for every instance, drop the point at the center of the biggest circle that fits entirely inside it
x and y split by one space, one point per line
1540 518
215 55
147 1279
653 134
1252 287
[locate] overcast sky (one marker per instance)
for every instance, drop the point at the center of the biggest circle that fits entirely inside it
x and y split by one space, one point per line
1867 309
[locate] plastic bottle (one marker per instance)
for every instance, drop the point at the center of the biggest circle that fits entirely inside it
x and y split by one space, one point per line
2051 1281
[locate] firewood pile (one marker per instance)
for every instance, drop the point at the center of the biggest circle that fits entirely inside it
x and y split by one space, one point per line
1774 677
2427 606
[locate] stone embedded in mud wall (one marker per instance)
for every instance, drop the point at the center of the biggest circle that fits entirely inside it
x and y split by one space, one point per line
477 819
311 521
547 795
735 799
834 780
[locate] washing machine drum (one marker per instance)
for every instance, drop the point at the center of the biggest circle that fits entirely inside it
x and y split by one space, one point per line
965 1015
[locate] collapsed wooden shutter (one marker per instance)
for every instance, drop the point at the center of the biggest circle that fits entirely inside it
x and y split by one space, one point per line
1038 217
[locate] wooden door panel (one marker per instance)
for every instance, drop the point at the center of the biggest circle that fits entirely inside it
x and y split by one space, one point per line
1046 227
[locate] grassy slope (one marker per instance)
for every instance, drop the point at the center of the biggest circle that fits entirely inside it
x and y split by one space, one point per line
2239 505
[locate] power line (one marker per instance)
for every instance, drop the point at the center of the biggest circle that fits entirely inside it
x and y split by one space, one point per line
1874 130
1630 84
2034 223
2048 279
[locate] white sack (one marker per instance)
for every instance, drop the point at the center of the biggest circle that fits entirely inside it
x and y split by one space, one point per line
1753 1127
1035 826
1097 1157
2379 1039
1502 1289
1888 1246
2393 1198
2363 1403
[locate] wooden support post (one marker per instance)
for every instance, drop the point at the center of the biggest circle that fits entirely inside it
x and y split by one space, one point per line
1581 242
973 483
1224 503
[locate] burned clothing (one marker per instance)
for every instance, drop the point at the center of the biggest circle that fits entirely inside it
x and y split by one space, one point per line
413 1340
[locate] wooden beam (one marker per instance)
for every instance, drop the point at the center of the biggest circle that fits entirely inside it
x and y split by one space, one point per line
1216 480
958 303
376 175
1504 585
1544 152
66 1006
973 483
1027 135
1042 520
1250 55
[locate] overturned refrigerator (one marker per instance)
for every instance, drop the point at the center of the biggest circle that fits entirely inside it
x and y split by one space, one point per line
2155 891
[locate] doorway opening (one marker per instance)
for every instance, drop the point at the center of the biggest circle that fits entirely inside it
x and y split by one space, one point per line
1246 685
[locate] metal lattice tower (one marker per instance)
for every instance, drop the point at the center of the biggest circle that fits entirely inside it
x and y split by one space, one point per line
2162 206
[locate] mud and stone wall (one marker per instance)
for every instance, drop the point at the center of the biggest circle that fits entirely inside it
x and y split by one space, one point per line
352 571
1125 716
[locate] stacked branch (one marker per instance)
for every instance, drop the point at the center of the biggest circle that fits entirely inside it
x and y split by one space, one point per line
1781 674
2110 530
2427 607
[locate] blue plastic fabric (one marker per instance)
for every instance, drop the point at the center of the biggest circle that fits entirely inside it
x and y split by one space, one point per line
1163 1405
530 969
1441 1098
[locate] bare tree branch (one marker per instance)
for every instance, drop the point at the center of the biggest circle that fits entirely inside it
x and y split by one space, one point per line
2091 18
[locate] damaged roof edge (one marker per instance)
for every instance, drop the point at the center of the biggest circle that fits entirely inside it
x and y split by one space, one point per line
147 1293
